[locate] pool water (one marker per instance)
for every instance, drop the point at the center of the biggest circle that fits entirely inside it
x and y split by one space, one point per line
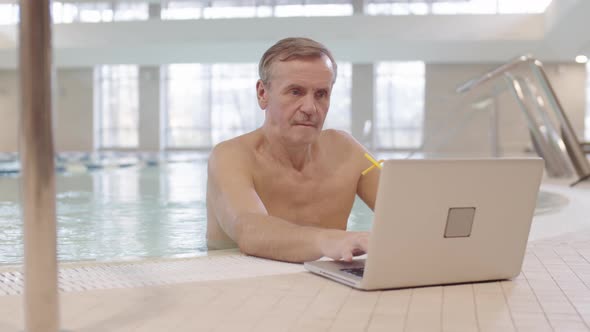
128 212
125 213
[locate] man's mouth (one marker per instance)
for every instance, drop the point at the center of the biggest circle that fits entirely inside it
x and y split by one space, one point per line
305 124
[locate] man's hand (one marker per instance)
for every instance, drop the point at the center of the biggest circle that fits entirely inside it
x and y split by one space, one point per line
343 245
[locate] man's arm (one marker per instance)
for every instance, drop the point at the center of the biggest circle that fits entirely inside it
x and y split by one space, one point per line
244 218
367 184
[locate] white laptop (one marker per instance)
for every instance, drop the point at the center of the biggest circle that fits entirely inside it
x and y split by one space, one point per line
445 221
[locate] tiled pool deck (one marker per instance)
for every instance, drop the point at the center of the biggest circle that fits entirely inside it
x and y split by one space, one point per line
226 291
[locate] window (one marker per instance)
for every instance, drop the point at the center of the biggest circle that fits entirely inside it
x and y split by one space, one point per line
185 10
206 104
98 12
93 12
186 100
234 108
64 12
131 12
181 10
214 12
399 113
339 116
522 6
313 10
468 7
396 8
452 7
117 106
108 11
9 14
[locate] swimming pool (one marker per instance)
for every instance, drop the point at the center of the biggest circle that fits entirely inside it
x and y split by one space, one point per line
137 210
125 213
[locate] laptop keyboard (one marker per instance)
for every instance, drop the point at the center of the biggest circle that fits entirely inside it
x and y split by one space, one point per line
356 271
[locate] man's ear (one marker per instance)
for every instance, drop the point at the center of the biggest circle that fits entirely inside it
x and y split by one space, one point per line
262 94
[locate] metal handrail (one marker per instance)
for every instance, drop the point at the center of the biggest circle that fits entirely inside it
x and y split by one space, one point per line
570 146
570 139
495 73
554 163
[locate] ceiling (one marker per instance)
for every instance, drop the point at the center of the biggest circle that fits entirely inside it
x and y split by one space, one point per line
558 35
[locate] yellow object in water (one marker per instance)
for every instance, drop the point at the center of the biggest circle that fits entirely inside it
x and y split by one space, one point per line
375 164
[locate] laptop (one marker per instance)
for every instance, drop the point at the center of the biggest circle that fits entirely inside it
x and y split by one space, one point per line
445 221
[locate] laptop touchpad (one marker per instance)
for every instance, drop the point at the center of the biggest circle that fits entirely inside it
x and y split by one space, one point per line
459 222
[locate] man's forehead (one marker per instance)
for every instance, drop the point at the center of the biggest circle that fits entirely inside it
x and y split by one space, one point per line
320 61
303 71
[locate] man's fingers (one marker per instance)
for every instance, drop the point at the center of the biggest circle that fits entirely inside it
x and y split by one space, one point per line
365 245
347 255
363 242
358 252
351 244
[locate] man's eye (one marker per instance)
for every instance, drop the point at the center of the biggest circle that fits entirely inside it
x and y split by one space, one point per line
296 92
321 94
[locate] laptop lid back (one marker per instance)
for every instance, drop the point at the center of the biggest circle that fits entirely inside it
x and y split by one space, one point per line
451 221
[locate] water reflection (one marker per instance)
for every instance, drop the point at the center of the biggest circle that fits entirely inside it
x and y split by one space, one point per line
134 212
116 214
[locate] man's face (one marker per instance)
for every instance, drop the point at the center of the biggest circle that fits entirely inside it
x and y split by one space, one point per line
297 98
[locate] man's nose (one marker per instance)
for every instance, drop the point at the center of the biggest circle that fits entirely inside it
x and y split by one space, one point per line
309 105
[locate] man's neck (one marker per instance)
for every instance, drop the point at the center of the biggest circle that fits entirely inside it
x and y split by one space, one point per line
296 157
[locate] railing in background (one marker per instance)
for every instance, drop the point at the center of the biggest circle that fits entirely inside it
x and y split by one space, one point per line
551 131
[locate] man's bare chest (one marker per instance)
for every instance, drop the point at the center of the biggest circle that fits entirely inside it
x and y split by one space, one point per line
322 200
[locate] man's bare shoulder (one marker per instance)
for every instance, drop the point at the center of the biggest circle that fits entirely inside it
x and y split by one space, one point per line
341 139
337 133
236 151
343 148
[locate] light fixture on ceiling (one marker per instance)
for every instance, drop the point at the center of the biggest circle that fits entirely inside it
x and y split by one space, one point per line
581 59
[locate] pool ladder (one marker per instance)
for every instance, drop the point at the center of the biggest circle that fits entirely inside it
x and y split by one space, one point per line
550 129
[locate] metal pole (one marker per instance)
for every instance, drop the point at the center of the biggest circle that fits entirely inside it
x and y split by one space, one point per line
494 129
555 164
573 147
38 182
569 146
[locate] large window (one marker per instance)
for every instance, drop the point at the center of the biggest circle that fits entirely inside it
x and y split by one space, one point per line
184 10
206 104
64 12
179 10
115 10
304 9
399 113
234 107
453 7
9 14
116 107
522 6
339 116
186 96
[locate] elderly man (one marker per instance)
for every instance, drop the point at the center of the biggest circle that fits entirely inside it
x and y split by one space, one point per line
285 190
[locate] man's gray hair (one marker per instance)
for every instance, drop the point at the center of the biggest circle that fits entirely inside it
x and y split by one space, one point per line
290 49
